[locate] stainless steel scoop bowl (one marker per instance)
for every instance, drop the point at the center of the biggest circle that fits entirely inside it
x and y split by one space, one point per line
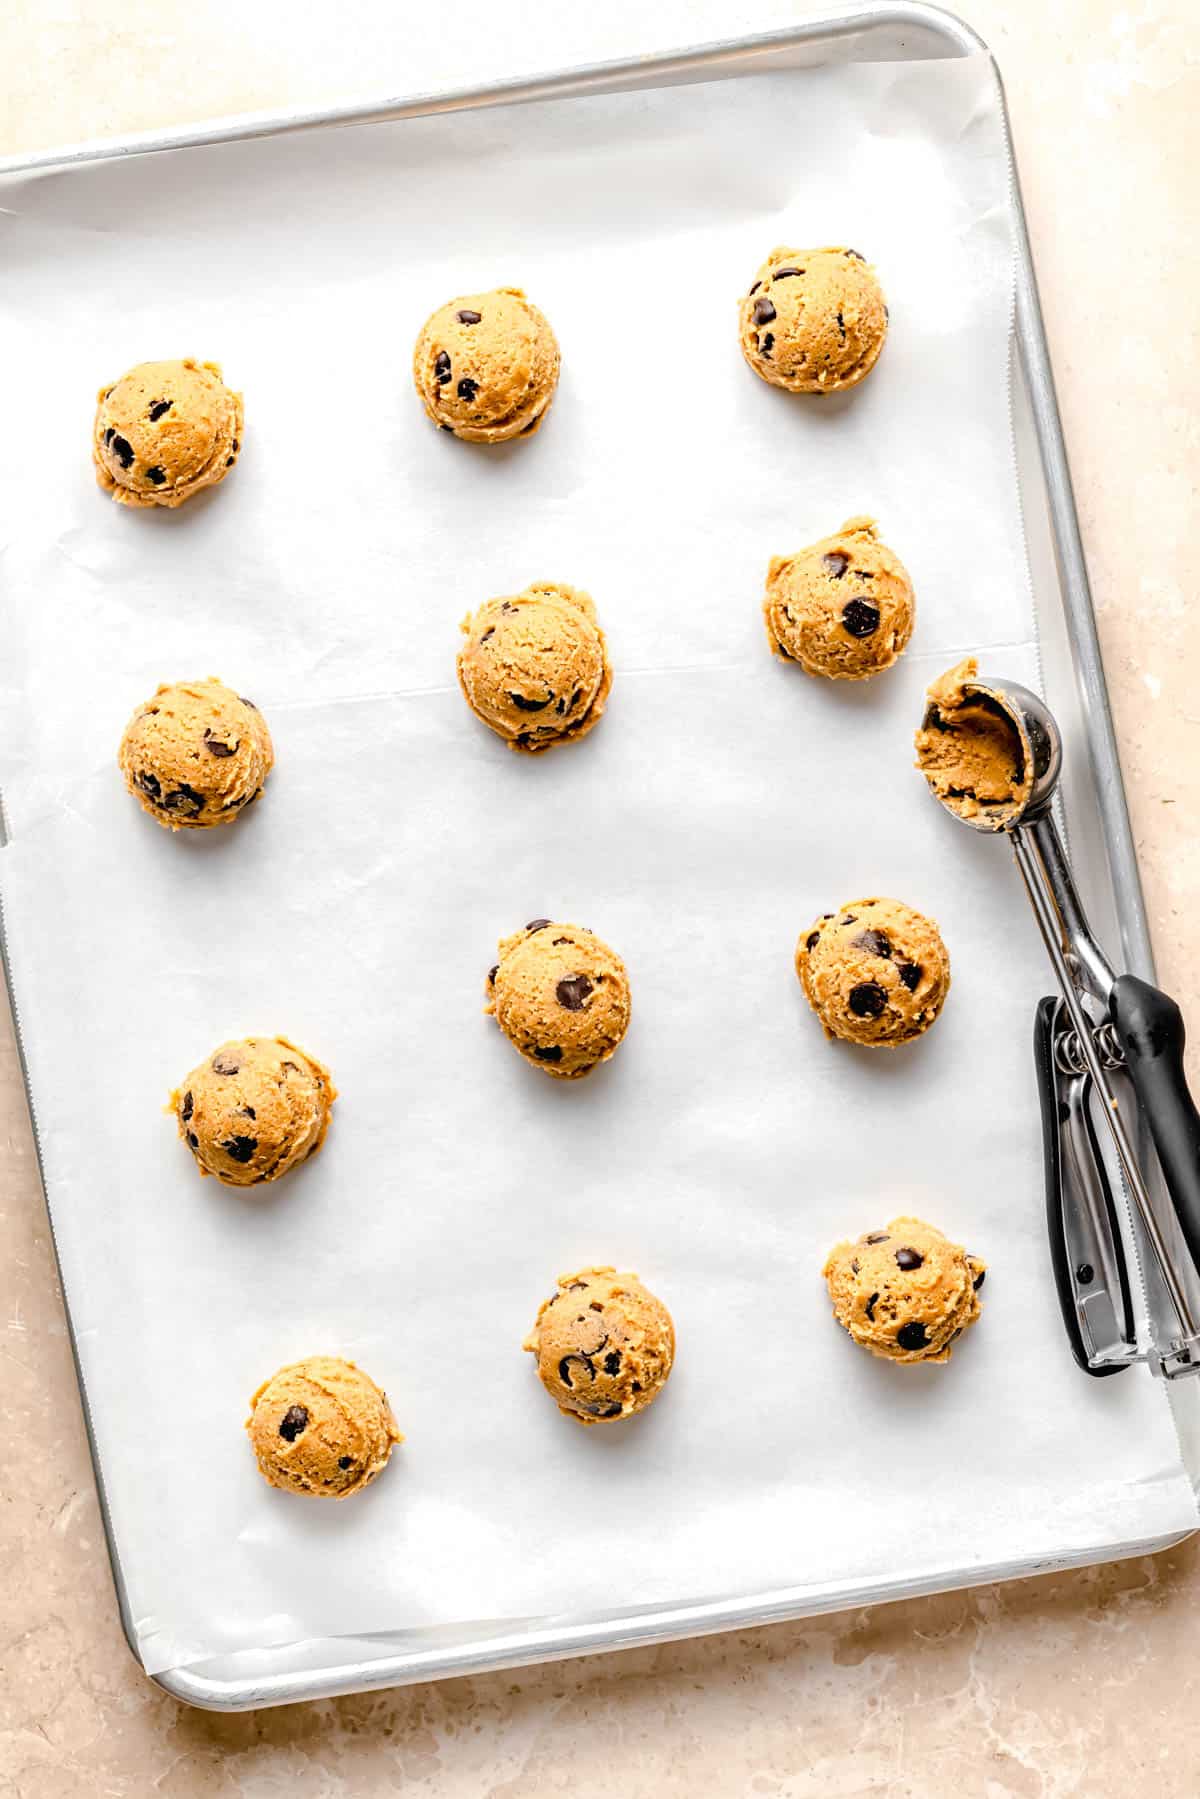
1105 1022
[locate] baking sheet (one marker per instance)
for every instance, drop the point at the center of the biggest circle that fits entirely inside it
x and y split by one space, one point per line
723 802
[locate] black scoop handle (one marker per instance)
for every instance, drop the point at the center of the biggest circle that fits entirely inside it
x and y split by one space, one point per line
1150 1026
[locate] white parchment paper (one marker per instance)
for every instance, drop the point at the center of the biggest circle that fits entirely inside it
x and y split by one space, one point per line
725 800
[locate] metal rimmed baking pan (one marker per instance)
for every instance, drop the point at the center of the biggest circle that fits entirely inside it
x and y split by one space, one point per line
276 1670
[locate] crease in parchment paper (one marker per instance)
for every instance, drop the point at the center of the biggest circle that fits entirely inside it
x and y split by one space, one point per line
723 802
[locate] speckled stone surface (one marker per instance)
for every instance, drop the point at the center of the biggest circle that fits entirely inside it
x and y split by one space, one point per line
1084 1684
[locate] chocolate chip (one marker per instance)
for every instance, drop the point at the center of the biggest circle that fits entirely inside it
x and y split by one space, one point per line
246 702
224 1064
156 475
860 617
612 1362
493 971
782 274
184 799
538 924
912 1336
855 255
575 699
148 783
249 1112
109 435
910 974
524 705
193 1140
876 1237
215 747
982 1276
576 1365
229 462
812 940
854 1265
449 428
841 325
122 449
571 992
490 632
869 1308
159 408
764 312
867 1000
602 1411
467 317
240 1149
345 1461
185 1110
560 707
750 295
551 1054
467 388
908 1259
766 343
875 943
850 918
576 1287
836 563
294 1420
235 446
441 368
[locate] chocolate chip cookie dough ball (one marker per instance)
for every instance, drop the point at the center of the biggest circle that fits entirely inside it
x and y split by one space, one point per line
164 431
534 666
875 973
486 366
253 1109
560 996
904 1293
196 754
604 1345
971 754
814 321
323 1427
843 608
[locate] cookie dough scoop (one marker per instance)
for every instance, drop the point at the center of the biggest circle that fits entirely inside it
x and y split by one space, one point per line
561 997
534 666
904 1293
876 973
486 366
164 431
321 1427
814 321
604 1344
196 754
255 1108
843 608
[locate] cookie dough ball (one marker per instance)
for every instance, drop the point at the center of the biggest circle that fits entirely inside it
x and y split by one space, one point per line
971 753
814 321
843 607
904 1293
164 431
196 754
253 1109
875 973
560 996
321 1426
486 366
604 1345
535 666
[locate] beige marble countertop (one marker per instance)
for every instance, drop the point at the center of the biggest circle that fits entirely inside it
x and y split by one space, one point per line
1083 1684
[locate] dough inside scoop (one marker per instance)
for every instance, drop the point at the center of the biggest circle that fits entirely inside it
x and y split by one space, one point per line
971 752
